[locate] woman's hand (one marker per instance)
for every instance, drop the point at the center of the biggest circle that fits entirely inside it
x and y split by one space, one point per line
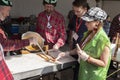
61 55
82 54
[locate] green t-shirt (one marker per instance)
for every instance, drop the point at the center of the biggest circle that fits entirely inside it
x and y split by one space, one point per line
94 48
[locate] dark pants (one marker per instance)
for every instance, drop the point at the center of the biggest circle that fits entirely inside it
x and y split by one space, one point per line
76 68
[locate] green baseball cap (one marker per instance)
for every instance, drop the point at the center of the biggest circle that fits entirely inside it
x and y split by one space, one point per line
5 3
53 2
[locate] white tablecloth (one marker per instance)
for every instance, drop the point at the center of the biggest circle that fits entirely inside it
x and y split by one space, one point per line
28 65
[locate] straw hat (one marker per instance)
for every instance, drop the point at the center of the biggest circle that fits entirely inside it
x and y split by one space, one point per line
31 34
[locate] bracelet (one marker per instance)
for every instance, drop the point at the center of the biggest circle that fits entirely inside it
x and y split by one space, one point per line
88 59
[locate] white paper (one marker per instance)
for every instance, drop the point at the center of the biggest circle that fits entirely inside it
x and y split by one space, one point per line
75 36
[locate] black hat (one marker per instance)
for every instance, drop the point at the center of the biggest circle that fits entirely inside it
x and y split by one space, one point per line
53 2
5 3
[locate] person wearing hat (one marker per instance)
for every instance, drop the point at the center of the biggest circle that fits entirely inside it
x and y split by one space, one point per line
51 25
8 45
94 49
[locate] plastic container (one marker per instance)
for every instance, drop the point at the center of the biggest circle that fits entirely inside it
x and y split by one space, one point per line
15 28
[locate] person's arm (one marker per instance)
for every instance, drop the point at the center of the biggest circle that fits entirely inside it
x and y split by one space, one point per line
67 53
10 45
38 25
62 34
103 61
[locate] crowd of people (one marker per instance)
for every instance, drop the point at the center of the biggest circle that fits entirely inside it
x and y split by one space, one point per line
89 30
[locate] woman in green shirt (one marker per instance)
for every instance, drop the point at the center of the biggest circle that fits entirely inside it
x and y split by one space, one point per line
94 49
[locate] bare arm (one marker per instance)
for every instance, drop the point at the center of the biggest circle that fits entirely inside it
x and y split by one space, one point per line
103 61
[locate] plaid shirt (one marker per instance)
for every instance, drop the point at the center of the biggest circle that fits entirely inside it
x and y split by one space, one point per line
54 35
4 71
10 45
5 74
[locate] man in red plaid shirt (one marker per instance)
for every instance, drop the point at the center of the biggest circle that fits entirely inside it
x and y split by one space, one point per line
8 45
5 74
51 25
